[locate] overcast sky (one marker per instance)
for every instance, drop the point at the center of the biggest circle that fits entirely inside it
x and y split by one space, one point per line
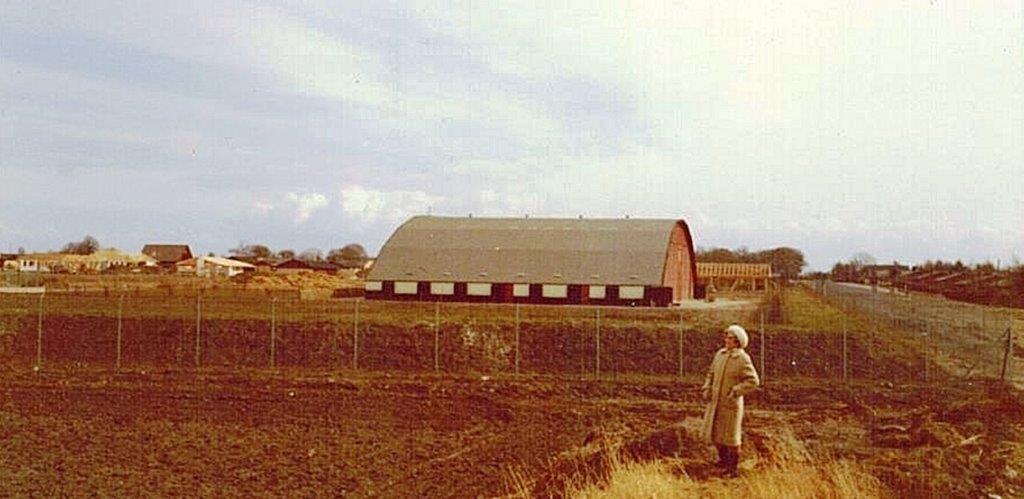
893 128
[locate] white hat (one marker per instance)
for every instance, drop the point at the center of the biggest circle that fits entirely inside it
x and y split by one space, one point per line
739 333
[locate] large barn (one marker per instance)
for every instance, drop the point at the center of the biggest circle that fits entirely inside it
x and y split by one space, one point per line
534 260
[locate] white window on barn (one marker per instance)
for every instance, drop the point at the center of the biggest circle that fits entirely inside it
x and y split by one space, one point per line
442 288
478 289
405 287
555 291
521 290
596 292
631 292
374 286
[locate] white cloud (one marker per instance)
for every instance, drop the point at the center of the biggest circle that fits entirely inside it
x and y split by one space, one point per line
305 204
369 205
362 202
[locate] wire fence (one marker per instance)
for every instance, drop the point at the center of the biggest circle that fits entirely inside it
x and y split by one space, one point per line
210 329
966 340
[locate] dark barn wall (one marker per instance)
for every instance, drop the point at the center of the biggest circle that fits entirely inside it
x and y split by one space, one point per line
654 296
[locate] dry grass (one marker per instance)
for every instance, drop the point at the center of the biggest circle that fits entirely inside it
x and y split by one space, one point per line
787 470
803 310
834 479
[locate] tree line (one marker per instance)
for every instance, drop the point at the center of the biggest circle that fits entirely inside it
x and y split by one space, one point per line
351 255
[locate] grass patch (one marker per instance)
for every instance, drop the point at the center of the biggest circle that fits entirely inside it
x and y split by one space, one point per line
834 479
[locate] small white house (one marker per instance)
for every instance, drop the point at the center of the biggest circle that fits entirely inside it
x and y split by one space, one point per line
28 265
212 266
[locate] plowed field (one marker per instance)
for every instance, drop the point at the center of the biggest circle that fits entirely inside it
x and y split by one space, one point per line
416 436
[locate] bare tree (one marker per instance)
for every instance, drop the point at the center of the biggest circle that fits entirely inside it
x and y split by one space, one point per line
862 259
311 255
87 246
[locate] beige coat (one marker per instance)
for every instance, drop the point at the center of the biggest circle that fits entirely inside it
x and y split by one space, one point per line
731 376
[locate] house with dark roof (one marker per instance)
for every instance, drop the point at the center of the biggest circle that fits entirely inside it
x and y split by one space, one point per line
535 260
167 255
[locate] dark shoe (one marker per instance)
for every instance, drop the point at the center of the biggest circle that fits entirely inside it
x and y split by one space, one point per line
723 456
732 461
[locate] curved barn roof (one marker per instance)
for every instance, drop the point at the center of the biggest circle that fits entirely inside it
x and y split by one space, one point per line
577 251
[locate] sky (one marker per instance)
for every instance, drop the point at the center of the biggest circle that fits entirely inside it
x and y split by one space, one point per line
891 128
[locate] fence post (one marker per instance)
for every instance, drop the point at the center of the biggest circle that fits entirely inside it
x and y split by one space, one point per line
517 336
764 346
199 317
679 341
927 347
583 351
120 322
39 335
597 355
355 337
1006 352
846 366
437 336
874 321
273 332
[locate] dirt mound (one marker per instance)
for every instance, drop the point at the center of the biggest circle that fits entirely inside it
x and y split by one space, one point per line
924 433
963 447
297 280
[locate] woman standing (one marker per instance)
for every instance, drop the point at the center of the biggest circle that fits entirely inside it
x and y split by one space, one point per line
731 376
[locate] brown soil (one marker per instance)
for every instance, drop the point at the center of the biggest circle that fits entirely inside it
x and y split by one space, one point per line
170 433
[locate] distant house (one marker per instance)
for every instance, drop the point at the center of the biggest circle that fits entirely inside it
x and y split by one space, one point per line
211 266
294 265
30 264
100 261
167 255
7 257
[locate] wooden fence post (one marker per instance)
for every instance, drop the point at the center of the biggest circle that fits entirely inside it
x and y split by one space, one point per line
764 346
39 335
846 358
679 341
437 336
1007 352
927 347
273 332
120 322
355 337
597 355
517 336
199 317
